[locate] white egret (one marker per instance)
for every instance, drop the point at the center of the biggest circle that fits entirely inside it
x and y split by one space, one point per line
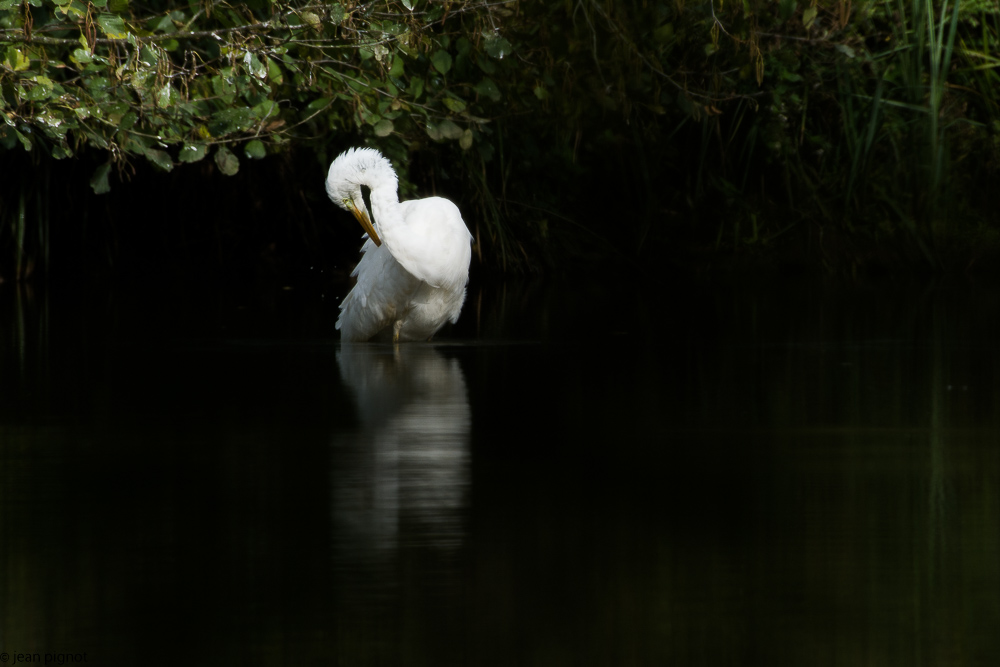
415 265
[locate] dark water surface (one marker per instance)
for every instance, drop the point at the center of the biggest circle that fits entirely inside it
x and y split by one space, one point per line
743 473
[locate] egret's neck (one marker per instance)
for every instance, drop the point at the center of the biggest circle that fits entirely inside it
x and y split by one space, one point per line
385 203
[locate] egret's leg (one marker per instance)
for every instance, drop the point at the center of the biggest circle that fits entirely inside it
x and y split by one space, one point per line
397 326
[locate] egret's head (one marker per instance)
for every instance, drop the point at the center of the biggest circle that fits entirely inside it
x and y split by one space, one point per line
348 172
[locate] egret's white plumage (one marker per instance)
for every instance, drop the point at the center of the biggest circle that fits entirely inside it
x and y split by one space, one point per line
415 265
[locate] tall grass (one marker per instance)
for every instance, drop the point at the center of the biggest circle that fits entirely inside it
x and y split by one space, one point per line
24 225
899 132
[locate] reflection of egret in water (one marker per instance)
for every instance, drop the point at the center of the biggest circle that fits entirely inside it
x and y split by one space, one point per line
399 480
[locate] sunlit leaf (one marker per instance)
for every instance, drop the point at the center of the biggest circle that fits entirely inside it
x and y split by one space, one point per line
160 158
192 152
112 26
809 16
80 57
496 46
231 120
41 90
73 8
255 149
163 96
254 66
16 61
147 56
226 161
383 128
26 142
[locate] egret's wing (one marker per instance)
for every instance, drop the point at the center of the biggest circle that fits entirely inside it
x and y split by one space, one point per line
434 244
383 288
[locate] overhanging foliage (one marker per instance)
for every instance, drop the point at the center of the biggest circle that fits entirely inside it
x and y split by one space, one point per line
175 82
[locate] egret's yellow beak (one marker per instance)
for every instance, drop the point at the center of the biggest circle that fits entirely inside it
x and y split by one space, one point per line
362 217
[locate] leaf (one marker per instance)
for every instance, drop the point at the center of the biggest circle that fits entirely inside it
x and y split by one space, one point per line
487 88
497 47
160 158
74 8
161 24
81 57
41 90
337 14
25 141
163 96
449 130
99 181
231 120
384 128
255 149
227 163
466 140
316 105
441 61
809 16
265 109
416 87
192 152
274 72
453 104
112 26
410 4
397 67
16 60
664 33
485 64
147 56
845 49
312 20
254 66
